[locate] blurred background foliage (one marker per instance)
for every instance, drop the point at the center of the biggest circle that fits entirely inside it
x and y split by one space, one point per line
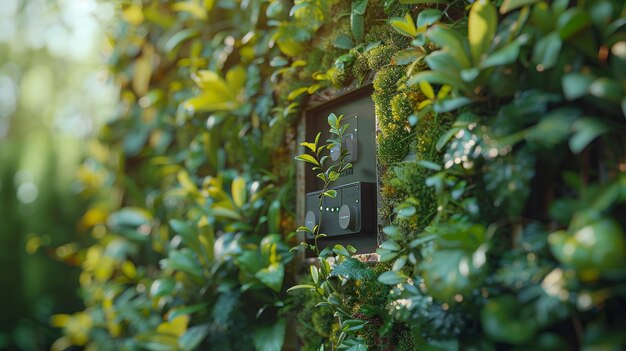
49 62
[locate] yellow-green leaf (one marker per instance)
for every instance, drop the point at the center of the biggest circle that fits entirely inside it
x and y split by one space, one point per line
191 7
186 182
483 20
427 89
142 70
238 190
307 158
209 80
209 101
404 25
133 14
313 88
236 79
424 104
443 92
294 94
208 4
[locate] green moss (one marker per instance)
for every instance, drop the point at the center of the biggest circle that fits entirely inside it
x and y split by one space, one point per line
387 35
361 68
380 56
394 147
375 11
394 139
401 108
341 73
403 340
386 81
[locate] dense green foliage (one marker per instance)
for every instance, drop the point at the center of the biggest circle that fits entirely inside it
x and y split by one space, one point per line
501 152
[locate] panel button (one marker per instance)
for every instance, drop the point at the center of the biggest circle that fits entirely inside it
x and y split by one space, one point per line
347 217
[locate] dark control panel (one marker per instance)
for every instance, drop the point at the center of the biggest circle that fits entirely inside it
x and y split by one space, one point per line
351 217
351 211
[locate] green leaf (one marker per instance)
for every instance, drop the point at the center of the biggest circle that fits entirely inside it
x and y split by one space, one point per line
429 165
428 17
314 274
359 6
133 217
183 260
272 276
307 158
183 228
419 241
270 338
352 269
301 286
330 193
187 232
407 211
356 19
332 120
607 88
443 61
162 287
250 261
341 250
186 310
178 38
452 41
482 23
510 5
352 325
407 56
576 85
586 129
500 319
571 22
343 41
553 128
404 25
392 278
224 212
505 55
451 104
399 263
273 217
392 232
194 336
546 51
437 78
390 245
386 255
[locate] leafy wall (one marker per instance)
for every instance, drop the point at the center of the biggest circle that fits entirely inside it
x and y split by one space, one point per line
501 147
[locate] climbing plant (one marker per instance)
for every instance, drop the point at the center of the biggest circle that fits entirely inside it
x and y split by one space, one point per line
501 157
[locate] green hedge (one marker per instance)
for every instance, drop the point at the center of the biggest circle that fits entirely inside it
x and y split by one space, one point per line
502 154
